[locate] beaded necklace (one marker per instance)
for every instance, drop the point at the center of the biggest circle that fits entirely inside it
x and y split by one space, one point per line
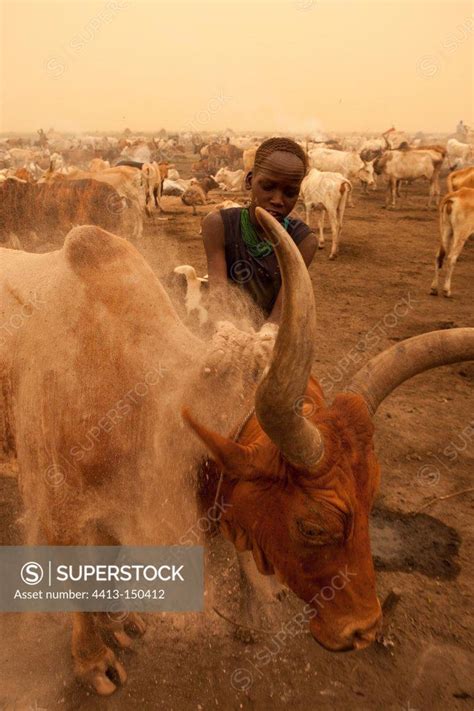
257 247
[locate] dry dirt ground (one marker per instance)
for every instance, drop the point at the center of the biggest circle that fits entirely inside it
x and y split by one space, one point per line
375 294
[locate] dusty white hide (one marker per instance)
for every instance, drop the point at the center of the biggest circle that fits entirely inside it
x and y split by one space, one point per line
102 446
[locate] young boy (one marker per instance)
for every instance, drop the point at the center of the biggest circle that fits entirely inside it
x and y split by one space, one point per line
235 244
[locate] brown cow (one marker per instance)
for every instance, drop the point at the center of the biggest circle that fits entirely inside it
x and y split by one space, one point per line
196 194
456 222
52 209
299 476
463 178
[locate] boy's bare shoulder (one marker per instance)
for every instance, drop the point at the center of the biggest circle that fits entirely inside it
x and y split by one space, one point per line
213 230
213 219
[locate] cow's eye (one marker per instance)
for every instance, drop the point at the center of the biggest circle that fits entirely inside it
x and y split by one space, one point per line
316 535
309 529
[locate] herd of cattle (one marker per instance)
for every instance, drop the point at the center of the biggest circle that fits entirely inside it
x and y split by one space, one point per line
49 185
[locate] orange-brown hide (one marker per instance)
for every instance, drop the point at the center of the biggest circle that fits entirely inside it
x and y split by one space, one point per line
309 527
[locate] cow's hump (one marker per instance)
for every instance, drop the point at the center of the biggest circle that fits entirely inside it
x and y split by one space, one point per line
89 248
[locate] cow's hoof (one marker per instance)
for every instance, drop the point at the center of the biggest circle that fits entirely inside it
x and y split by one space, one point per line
447 294
104 673
433 291
332 256
321 246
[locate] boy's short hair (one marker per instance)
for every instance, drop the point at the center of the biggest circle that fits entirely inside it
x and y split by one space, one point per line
271 145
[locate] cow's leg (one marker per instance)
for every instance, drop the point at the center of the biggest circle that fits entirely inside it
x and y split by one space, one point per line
436 189
95 664
259 593
453 254
350 201
335 231
392 191
439 259
321 228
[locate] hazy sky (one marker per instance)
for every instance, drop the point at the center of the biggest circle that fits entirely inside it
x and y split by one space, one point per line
264 65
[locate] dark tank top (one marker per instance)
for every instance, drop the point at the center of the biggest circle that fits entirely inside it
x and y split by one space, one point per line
260 278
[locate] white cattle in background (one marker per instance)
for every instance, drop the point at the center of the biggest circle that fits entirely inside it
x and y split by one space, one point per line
232 180
348 163
139 152
460 155
411 165
326 192
173 174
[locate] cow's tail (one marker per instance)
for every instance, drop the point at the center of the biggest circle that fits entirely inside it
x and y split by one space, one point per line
445 225
345 190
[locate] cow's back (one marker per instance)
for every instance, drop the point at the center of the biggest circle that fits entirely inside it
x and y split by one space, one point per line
52 209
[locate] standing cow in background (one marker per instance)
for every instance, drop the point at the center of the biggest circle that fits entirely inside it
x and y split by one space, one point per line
326 192
456 221
348 163
411 164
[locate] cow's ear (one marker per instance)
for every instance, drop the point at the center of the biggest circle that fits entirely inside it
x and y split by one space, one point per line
235 459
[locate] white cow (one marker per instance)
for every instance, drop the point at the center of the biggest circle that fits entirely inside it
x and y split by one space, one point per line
410 165
326 192
192 299
460 155
153 185
232 180
456 217
348 163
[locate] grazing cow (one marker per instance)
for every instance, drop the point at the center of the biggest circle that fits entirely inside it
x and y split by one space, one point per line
232 180
295 485
410 165
326 192
460 155
456 222
463 178
348 163
196 194
51 209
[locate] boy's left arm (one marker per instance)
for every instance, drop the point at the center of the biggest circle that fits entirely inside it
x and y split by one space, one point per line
308 249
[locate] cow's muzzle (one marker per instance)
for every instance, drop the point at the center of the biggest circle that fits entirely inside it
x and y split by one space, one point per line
354 636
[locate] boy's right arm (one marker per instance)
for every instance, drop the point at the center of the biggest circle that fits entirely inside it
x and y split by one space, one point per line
214 245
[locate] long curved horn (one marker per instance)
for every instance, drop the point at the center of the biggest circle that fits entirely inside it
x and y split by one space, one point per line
382 374
280 395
